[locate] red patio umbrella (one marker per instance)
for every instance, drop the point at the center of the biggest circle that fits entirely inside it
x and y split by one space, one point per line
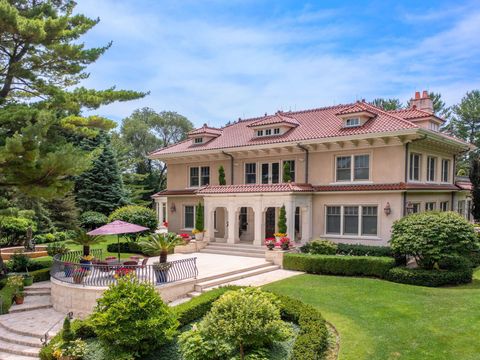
117 227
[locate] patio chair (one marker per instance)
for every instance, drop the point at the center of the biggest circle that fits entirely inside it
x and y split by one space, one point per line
130 263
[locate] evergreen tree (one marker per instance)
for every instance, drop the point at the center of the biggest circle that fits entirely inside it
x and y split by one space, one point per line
199 221
101 187
221 176
63 212
475 179
387 104
282 221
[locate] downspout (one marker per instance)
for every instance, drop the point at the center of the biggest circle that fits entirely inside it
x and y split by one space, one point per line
307 153
231 166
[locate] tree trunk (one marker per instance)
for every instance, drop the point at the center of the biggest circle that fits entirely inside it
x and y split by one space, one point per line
163 256
86 250
242 351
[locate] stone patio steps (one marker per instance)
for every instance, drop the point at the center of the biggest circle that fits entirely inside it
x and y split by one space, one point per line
223 279
239 249
6 356
233 272
37 292
32 303
17 349
13 338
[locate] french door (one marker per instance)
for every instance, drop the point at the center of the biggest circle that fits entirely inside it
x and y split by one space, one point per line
270 173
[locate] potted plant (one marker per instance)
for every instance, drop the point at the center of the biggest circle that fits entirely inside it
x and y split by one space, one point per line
161 271
86 260
19 296
199 230
15 282
123 271
27 279
78 275
270 243
85 240
285 243
279 235
185 238
282 224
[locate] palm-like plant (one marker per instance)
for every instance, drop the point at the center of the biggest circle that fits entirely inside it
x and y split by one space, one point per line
85 240
160 244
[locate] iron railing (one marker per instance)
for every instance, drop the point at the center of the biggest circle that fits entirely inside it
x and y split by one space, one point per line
66 268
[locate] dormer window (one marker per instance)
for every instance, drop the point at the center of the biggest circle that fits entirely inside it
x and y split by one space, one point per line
276 131
352 122
259 132
198 140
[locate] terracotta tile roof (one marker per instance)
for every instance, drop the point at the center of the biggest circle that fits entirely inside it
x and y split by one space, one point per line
206 130
356 108
361 187
313 124
413 114
464 185
414 186
175 192
278 118
255 188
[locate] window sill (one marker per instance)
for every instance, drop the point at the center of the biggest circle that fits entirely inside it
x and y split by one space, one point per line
355 182
352 237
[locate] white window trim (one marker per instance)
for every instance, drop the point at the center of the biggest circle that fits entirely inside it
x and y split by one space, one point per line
258 175
351 119
448 171
447 207
430 202
435 168
360 216
419 167
190 186
184 228
352 169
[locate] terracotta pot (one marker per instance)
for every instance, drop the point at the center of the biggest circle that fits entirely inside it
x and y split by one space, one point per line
19 300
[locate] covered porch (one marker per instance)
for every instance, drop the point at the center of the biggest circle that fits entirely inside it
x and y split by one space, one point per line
251 217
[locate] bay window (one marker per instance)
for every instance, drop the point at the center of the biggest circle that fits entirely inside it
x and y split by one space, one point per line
353 220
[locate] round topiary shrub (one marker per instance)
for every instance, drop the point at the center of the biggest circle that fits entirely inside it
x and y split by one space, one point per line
244 319
322 247
90 220
136 214
432 236
130 317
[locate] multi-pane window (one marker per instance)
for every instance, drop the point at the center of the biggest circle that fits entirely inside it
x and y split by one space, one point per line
334 214
189 216
415 208
276 131
250 173
430 206
461 207
444 206
352 122
352 220
469 210
199 176
291 165
344 168
445 170
259 132
414 167
198 140
360 170
270 173
431 168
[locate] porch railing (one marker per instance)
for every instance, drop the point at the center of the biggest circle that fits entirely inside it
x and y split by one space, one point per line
66 268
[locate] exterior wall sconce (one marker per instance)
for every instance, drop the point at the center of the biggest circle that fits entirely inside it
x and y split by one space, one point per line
387 210
173 208
409 208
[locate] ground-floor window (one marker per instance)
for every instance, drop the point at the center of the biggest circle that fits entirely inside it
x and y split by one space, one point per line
461 207
415 208
430 206
189 217
444 206
357 220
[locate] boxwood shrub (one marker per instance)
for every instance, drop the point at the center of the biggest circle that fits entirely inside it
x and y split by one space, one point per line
431 278
6 297
339 265
40 275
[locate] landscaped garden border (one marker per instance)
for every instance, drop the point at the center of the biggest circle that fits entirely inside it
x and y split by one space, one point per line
311 342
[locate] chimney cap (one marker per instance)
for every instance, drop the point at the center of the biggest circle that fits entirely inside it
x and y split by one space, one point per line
425 94
417 94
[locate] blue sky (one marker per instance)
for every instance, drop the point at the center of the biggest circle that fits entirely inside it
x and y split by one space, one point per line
215 61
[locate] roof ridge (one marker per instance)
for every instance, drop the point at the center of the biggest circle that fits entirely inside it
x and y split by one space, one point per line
389 114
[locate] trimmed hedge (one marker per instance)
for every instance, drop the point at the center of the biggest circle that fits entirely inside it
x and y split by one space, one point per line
40 275
431 278
6 297
364 250
339 265
125 247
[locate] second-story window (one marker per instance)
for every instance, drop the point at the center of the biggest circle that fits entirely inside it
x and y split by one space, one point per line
445 170
199 176
414 167
276 131
198 140
268 132
360 170
250 173
431 168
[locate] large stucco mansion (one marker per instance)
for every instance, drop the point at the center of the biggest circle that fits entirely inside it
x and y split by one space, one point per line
354 170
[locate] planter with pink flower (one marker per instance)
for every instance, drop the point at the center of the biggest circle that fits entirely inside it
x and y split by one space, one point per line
285 243
270 243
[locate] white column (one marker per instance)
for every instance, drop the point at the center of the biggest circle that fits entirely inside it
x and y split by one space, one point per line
290 213
210 231
259 233
232 225
306 219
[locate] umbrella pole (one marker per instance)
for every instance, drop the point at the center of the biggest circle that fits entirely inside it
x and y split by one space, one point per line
118 246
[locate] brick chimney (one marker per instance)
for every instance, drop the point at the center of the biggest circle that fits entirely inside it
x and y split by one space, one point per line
422 102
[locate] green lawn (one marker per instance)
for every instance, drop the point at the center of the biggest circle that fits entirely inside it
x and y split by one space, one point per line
377 319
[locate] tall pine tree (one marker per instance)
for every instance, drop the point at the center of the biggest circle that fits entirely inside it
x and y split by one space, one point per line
101 187
475 179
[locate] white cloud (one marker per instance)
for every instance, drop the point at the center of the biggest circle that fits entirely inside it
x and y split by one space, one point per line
215 70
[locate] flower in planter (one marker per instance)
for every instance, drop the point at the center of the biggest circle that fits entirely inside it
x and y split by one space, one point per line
270 243
88 257
123 271
279 235
196 231
185 237
285 243
15 281
165 223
